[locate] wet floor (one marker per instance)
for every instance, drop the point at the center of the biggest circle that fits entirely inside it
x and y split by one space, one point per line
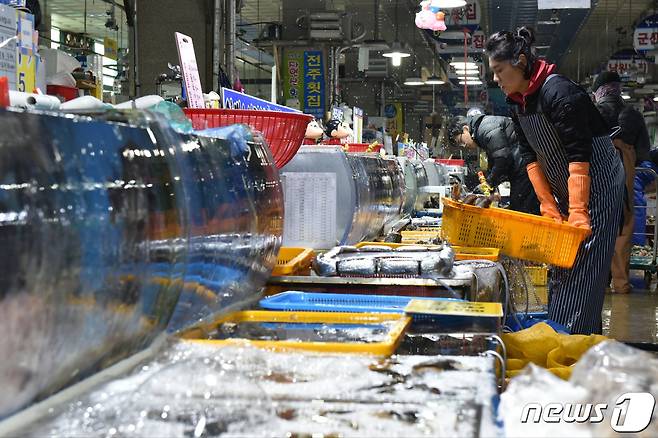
632 317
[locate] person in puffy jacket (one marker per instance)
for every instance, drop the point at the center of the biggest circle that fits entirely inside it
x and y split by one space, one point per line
496 136
641 181
574 168
630 136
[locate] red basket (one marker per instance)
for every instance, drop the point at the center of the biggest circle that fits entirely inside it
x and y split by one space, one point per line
284 132
448 162
362 147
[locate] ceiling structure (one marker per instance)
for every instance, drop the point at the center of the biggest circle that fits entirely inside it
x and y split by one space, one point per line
554 29
579 40
608 29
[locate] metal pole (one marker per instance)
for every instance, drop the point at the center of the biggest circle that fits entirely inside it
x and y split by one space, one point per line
465 75
138 83
273 90
331 75
230 40
383 101
578 67
215 48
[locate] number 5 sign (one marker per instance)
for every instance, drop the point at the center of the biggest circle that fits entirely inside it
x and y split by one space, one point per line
190 71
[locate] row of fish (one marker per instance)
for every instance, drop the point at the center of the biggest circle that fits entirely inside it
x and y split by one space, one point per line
371 261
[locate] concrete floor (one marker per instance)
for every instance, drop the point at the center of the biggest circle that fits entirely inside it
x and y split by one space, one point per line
632 317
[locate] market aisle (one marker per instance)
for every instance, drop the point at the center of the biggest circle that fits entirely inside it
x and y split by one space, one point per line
632 317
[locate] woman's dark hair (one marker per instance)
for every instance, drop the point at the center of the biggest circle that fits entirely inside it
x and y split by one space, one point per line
508 46
331 126
456 127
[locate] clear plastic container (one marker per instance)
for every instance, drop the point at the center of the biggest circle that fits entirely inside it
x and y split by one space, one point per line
107 225
333 198
411 185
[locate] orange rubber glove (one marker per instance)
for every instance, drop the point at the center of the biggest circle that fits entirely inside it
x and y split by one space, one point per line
579 187
547 204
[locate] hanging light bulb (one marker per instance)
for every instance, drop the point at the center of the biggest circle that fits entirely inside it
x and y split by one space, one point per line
397 51
413 81
434 80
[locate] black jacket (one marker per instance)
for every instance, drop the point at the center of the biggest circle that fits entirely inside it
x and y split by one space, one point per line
570 110
633 130
496 135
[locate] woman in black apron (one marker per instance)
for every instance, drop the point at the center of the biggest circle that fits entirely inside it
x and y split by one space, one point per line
573 167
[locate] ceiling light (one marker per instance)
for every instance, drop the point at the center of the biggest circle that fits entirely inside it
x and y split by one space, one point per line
468 68
461 65
477 82
467 73
413 81
625 96
396 53
434 80
447 4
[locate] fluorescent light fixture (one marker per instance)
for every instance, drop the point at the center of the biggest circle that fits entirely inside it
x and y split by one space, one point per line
458 69
413 81
478 82
461 65
655 99
447 4
625 96
467 73
434 80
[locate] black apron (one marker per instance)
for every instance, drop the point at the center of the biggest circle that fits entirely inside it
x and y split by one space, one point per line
576 295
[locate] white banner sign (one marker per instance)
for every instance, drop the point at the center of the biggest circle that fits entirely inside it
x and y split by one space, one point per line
190 71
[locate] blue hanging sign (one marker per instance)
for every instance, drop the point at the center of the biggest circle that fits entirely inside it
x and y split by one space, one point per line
314 88
235 100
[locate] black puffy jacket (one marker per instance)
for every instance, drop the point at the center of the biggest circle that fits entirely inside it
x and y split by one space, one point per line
633 130
496 135
571 112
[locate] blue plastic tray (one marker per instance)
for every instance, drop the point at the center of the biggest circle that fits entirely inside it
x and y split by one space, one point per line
324 302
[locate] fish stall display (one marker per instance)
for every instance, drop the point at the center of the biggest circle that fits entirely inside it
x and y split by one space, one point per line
194 390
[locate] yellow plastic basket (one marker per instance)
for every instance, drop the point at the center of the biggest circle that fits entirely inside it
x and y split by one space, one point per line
538 275
293 261
419 236
468 253
400 322
520 235
461 252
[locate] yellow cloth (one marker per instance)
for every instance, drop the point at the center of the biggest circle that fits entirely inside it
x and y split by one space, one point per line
543 346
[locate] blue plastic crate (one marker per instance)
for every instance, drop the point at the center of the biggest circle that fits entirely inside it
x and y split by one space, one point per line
326 302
